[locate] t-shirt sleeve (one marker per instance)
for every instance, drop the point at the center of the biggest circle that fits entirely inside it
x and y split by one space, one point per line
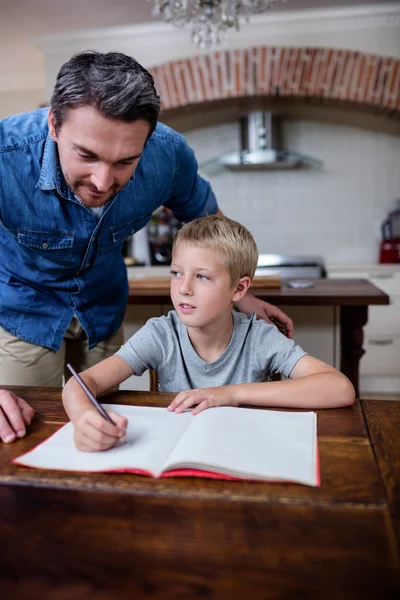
274 351
191 196
144 350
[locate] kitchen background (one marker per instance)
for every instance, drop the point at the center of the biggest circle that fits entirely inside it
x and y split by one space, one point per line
335 212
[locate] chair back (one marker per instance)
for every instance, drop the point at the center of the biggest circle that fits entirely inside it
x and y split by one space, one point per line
153 381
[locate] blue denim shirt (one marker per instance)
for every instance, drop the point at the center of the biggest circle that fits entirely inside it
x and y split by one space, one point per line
57 259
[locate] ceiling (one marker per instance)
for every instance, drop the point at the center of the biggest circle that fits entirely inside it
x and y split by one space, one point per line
21 20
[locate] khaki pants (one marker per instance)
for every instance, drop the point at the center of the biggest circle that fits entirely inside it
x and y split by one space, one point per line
22 363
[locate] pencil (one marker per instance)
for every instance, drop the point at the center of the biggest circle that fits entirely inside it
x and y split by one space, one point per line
90 395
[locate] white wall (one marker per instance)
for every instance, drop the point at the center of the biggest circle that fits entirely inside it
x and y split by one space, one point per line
370 28
335 212
12 103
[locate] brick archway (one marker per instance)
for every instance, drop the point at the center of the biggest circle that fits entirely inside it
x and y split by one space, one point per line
322 75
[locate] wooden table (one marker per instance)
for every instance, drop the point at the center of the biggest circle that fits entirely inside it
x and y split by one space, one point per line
123 536
352 296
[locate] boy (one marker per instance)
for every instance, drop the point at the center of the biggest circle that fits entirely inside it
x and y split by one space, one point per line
217 356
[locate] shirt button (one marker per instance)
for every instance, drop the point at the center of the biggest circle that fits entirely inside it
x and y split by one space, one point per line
77 272
133 231
45 246
87 265
94 238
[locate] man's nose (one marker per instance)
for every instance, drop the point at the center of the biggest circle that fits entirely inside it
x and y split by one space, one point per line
102 178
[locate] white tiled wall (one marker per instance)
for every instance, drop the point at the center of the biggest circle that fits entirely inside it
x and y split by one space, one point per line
335 212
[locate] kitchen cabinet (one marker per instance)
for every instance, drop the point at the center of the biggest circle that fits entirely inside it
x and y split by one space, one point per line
380 366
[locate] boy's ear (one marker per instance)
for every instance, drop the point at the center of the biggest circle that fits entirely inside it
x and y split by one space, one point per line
241 288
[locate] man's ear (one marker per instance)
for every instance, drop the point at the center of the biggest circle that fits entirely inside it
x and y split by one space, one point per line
52 125
241 288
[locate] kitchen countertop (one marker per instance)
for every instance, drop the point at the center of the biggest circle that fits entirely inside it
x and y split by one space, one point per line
362 266
159 271
324 292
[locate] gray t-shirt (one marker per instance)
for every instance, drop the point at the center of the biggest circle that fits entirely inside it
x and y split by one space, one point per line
256 350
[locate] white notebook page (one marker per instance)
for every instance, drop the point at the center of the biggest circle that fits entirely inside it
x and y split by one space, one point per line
261 444
151 435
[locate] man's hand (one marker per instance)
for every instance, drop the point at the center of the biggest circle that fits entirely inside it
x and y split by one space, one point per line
15 415
249 304
92 433
203 398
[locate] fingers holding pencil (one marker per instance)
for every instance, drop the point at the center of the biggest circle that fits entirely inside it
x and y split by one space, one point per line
96 429
92 433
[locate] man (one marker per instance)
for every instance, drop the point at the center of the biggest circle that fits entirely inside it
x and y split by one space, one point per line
75 183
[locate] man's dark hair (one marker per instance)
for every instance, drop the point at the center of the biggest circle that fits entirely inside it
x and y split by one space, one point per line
113 83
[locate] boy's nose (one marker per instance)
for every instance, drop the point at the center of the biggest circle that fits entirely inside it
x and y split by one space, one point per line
186 288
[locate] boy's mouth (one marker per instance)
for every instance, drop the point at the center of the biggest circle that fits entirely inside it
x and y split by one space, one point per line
186 308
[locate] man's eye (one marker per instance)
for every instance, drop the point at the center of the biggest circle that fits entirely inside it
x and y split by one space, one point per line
86 157
122 163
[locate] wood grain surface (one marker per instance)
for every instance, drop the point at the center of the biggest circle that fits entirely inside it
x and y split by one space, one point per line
325 292
163 283
109 536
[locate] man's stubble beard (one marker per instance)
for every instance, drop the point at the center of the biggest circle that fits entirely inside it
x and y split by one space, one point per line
91 202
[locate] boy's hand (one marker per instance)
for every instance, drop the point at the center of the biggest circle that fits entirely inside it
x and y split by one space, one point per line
203 398
93 433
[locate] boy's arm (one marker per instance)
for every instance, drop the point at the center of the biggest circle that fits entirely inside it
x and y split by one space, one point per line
312 384
92 432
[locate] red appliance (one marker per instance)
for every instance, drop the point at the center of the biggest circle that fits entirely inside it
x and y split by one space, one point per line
390 251
390 244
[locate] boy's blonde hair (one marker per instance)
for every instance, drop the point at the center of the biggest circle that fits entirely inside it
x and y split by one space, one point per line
233 242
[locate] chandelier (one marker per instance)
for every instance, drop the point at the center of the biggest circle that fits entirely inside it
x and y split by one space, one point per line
209 19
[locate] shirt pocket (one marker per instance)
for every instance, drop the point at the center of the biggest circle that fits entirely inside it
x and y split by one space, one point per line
52 247
123 233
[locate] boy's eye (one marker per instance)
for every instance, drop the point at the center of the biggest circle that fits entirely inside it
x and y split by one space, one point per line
86 157
201 276
174 273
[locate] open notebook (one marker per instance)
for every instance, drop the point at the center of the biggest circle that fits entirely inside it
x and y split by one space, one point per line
225 442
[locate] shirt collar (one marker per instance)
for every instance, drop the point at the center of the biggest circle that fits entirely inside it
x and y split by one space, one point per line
51 176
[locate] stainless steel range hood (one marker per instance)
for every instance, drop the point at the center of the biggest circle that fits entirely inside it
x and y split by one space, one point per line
261 147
